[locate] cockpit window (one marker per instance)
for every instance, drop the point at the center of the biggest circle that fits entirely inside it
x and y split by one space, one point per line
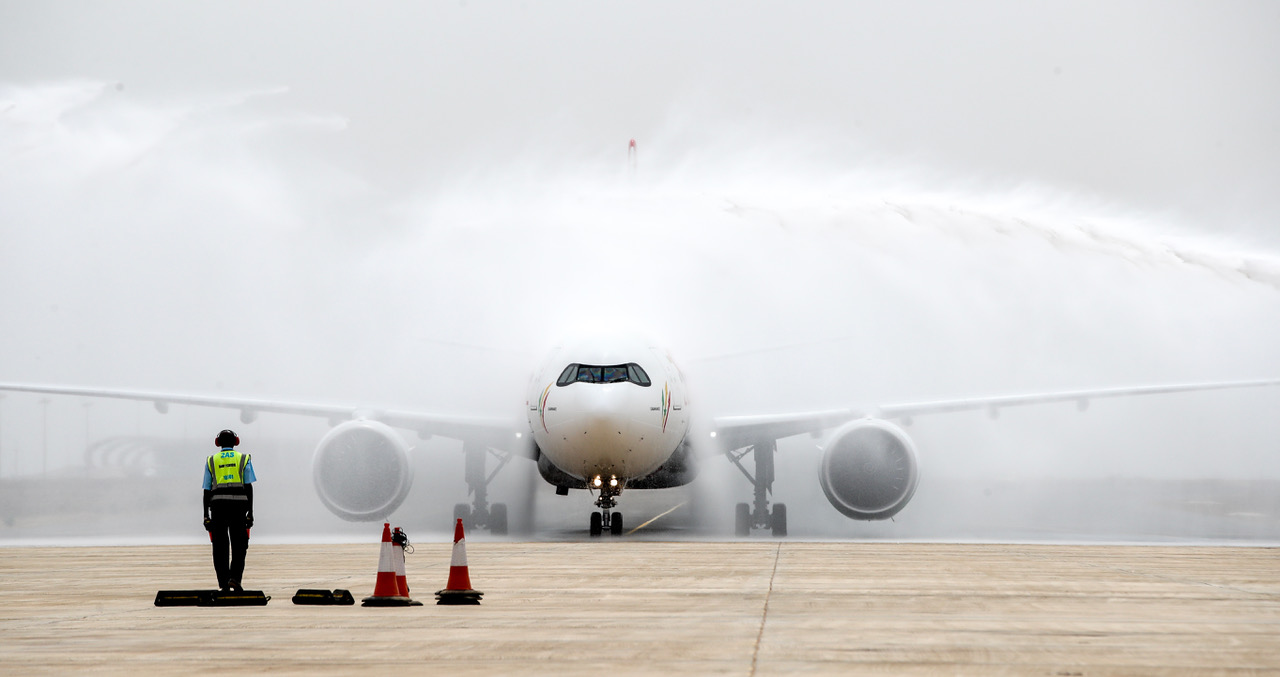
636 375
568 375
614 373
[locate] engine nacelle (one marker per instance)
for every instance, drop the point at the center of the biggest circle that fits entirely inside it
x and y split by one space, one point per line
869 469
361 470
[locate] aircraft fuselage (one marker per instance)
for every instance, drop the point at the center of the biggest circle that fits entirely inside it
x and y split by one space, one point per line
608 409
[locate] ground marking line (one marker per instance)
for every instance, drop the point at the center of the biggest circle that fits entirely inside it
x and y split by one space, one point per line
656 518
755 652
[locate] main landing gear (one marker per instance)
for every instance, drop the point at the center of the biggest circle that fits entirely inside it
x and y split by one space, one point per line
606 501
480 513
758 515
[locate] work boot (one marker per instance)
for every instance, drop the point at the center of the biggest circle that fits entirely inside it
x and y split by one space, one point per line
235 586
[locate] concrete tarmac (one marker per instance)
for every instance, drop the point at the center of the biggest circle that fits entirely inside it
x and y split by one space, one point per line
612 606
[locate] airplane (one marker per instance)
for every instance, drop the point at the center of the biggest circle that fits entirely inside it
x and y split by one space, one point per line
609 412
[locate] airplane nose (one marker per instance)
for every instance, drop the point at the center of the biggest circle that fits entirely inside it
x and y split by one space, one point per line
603 431
600 429
604 416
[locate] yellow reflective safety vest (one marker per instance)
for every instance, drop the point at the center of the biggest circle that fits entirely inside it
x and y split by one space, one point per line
227 470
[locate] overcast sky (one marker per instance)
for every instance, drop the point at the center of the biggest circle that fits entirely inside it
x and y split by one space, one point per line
362 201
1164 105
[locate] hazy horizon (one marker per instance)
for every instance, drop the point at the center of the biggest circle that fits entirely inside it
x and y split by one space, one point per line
833 204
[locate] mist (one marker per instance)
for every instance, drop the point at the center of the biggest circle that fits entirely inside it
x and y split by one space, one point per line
833 205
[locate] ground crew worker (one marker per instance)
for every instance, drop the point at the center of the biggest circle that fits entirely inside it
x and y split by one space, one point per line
228 508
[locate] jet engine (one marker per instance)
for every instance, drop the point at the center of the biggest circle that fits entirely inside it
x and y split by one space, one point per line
869 469
361 470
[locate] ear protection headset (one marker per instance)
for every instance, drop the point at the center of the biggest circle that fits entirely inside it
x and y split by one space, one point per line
227 438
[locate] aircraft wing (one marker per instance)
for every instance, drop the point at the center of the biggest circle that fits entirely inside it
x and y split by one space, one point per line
494 432
738 431
734 432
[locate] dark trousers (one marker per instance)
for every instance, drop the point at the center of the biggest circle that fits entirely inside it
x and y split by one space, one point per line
229 533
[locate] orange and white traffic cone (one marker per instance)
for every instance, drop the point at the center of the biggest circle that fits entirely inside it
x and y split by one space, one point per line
458 589
386 592
399 540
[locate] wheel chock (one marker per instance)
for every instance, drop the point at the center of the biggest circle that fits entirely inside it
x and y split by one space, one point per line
181 597
242 598
210 598
323 597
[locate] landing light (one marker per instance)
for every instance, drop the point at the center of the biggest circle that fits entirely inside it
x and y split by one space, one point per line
597 482
613 481
713 433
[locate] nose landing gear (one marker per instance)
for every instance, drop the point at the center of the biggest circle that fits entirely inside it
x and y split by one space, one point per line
606 501
606 520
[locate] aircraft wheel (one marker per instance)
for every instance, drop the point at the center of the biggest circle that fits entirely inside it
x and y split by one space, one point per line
615 524
498 519
462 511
778 520
742 520
596 521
